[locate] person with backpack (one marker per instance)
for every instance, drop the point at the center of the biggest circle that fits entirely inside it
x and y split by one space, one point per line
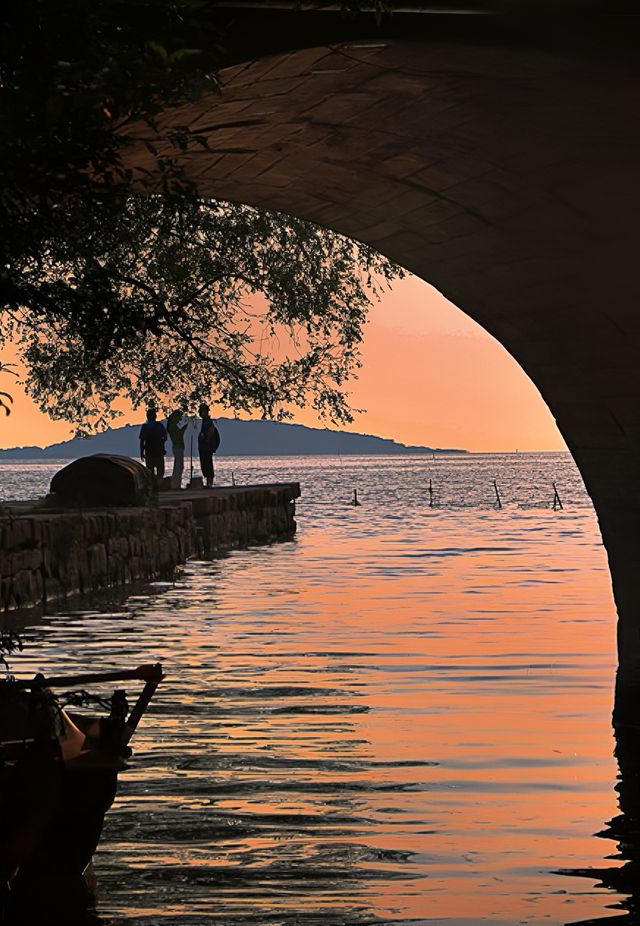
152 440
208 443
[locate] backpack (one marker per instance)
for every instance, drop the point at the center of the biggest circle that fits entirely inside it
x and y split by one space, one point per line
213 437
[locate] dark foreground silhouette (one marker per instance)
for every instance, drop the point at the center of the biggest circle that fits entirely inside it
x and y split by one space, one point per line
58 777
623 829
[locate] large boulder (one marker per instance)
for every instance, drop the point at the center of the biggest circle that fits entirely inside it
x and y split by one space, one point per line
103 481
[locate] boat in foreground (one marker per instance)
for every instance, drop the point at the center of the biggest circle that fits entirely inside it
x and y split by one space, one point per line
58 777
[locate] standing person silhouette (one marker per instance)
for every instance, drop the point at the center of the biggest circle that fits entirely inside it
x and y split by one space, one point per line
208 443
176 426
152 440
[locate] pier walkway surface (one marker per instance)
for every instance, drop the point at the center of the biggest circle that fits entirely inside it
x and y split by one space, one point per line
48 556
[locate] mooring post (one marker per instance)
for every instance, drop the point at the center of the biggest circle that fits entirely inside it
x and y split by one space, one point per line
430 494
557 501
233 478
498 499
355 501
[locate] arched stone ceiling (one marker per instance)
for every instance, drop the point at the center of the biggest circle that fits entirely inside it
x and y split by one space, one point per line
508 177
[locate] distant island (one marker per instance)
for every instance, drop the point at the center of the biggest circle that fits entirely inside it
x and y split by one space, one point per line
239 438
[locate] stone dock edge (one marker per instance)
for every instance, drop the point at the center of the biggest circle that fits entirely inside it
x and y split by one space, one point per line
50 557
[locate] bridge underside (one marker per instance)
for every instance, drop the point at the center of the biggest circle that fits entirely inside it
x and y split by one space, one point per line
505 175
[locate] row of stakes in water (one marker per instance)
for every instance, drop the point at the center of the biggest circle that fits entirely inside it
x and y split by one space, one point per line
556 505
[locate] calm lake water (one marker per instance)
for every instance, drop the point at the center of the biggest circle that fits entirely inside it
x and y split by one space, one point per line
402 716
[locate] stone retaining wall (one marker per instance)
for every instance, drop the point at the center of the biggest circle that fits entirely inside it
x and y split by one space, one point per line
48 557
228 518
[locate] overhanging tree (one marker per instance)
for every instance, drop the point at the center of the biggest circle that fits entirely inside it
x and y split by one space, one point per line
110 292
185 299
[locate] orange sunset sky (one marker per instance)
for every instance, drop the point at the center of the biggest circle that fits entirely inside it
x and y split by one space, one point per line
431 376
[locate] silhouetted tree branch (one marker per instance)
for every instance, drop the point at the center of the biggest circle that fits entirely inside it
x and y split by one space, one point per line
197 299
110 292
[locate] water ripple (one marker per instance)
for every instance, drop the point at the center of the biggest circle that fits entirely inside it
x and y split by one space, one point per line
401 717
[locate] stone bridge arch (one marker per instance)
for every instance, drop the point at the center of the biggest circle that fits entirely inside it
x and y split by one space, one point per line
505 173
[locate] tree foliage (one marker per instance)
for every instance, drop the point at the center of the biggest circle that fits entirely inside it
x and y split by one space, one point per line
75 76
10 643
110 292
6 399
187 300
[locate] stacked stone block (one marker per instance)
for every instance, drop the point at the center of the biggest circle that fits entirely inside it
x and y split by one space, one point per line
240 516
47 558
50 557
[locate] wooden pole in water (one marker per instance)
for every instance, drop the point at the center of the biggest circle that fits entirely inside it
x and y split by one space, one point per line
355 501
233 478
498 499
430 494
557 501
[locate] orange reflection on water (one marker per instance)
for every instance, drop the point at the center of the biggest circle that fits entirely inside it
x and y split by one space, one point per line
404 714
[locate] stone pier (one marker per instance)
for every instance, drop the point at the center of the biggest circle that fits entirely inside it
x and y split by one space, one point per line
49 557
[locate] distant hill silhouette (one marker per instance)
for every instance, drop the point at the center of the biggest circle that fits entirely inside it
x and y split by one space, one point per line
239 438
